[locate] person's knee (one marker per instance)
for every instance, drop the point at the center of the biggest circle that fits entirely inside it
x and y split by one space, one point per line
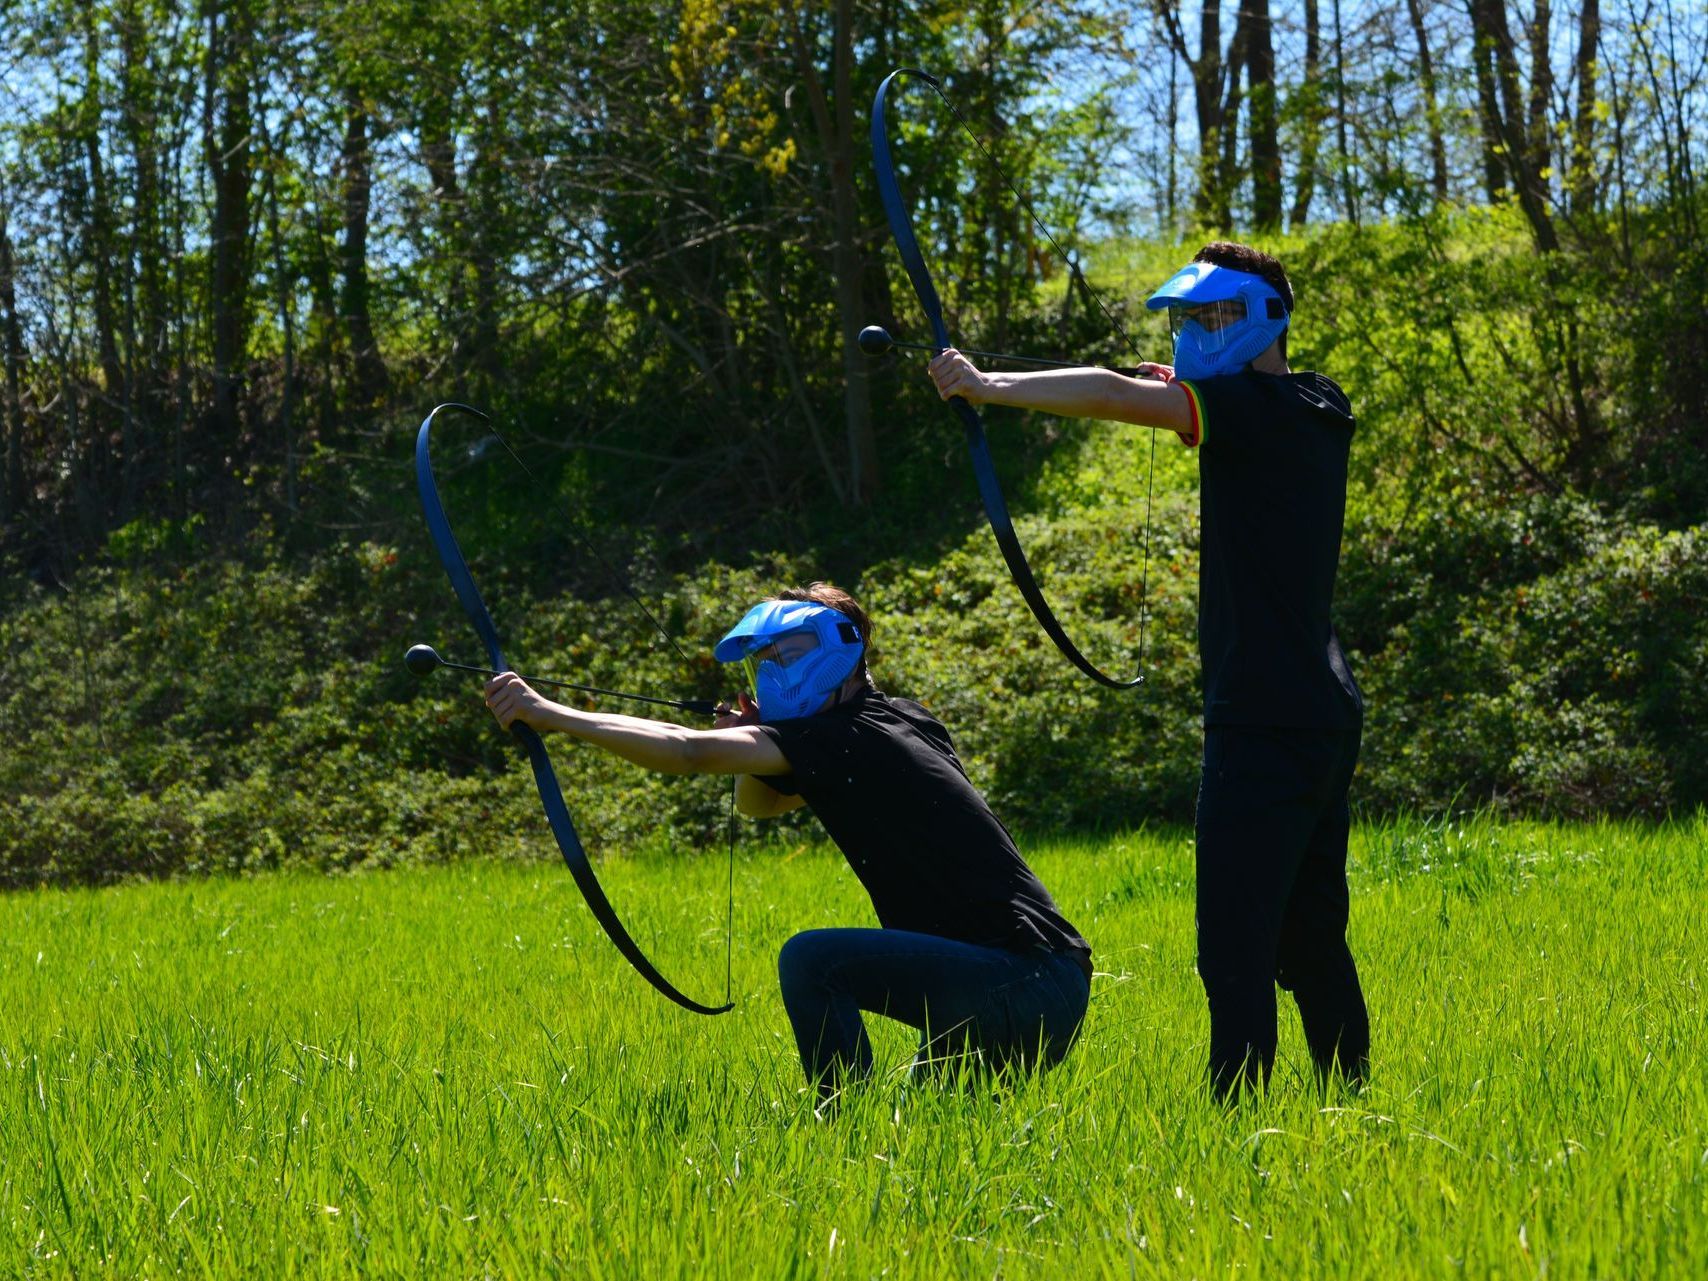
805 961
1232 972
1310 965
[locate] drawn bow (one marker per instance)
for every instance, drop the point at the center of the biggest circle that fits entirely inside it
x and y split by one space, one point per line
984 469
545 778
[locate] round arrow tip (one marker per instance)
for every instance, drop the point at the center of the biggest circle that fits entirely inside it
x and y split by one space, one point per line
421 659
875 340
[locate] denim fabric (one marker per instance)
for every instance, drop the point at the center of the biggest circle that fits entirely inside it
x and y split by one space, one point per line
1007 1008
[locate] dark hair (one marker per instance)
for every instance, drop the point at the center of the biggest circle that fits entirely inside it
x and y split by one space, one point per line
839 600
1254 262
1238 257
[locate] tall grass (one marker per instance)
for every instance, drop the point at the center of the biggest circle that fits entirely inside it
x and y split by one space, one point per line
449 1072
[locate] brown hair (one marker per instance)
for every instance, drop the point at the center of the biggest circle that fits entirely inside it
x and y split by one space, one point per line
839 600
1237 257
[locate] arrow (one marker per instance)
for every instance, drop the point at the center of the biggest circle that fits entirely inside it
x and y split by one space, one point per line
423 659
875 340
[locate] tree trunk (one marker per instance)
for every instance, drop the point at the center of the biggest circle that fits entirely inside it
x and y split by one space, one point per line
483 211
1538 144
100 228
1310 119
369 375
150 354
284 286
12 353
227 124
1488 106
1265 146
1431 103
1173 204
1212 200
1206 70
1581 176
438 154
1488 19
835 123
1349 196
1227 171
857 396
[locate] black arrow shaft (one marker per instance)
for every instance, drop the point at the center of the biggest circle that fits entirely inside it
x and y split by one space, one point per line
700 707
995 355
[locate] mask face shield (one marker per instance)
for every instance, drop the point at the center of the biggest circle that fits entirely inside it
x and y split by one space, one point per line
781 653
1212 324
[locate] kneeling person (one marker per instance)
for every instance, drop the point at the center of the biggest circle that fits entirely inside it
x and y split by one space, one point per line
973 951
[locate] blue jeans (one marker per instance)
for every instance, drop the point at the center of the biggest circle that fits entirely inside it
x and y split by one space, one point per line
1011 1008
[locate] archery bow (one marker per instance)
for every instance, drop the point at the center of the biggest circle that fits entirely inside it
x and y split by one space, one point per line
984 469
545 778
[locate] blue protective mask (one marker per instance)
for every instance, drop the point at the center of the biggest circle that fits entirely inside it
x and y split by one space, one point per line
1222 319
796 653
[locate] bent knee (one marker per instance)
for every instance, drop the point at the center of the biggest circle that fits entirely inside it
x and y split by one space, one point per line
806 958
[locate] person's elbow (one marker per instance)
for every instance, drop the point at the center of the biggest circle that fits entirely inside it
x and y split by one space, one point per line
755 798
754 804
1148 404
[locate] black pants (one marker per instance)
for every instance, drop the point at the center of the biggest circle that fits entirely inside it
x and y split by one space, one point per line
1272 901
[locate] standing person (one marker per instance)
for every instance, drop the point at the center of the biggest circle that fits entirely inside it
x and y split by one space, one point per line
1282 713
972 951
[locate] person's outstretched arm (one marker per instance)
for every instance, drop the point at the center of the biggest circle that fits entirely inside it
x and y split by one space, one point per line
655 745
1073 393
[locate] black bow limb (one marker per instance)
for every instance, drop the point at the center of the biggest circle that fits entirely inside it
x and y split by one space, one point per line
978 448
545 778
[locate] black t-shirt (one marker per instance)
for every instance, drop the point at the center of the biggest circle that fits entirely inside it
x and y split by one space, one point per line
1272 461
882 776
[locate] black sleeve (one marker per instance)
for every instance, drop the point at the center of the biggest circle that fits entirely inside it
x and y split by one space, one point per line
795 739
1225 417
805 743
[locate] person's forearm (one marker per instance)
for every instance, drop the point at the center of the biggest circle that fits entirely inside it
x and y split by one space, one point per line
1092 393
657 745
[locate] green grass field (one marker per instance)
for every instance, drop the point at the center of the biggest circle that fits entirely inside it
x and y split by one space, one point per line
449 1072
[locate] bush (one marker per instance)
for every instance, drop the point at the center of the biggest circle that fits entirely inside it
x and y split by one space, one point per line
1574 692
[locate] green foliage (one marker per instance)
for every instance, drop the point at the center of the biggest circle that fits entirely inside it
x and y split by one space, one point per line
227 716
450 1072
1533 656
1523 643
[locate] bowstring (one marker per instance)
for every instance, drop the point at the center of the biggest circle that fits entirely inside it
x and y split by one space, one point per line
1079 276
729 910
628 590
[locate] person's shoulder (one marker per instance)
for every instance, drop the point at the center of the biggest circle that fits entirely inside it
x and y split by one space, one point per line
904 708
1319 393
1237 391
918 718
840 718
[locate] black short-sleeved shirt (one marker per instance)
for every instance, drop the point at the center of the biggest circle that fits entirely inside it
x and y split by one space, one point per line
1272 462
882 776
